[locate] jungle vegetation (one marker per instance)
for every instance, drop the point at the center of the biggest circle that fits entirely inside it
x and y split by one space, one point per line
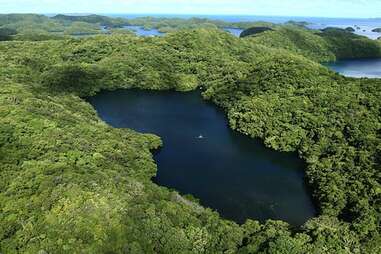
173 24
93 19
69 183
255 30
39 27
350 29
326 45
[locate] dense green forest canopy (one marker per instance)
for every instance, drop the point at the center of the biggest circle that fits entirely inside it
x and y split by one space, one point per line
39 27
255 30
6 34
327 45
172 24
60 24
350 29
94 19
69 183
91 24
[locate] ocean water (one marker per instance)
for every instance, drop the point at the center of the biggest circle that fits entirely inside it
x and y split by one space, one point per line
140 31
358 68
365 26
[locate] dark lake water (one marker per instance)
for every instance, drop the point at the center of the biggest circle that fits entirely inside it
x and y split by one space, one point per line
358 68
202 156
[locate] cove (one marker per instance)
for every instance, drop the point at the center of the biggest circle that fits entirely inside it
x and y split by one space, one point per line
357 68
140 31
227 171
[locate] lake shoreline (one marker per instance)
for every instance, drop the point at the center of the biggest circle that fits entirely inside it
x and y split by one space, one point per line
259 143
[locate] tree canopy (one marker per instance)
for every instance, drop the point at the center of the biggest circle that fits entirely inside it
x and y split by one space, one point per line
69 183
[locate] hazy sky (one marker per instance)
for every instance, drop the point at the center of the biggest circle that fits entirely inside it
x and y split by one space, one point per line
319 8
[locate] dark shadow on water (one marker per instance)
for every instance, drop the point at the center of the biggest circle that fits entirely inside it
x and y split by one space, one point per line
227 171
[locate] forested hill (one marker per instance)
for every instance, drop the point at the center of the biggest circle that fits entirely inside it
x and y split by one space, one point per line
69 183
323 46
326 45
93 19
